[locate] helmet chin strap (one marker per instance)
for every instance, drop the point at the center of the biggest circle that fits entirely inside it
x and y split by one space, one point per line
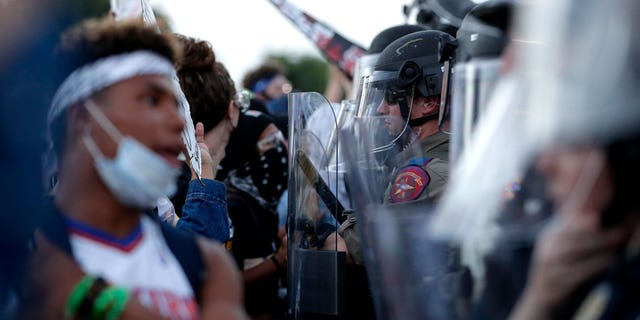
422 120
405 138
405 113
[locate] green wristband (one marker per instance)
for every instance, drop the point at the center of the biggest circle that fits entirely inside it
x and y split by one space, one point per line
122 297
110 303
77 295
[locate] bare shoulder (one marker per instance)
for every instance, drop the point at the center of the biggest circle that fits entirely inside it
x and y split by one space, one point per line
222 291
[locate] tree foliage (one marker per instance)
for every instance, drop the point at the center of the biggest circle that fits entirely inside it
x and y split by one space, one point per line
306 72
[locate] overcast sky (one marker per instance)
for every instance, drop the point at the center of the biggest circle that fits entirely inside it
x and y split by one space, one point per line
243 32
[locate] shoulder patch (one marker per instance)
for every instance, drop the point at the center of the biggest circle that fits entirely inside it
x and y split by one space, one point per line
421 162
409 183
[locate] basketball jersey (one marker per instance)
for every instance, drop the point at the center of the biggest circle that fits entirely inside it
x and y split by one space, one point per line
141 262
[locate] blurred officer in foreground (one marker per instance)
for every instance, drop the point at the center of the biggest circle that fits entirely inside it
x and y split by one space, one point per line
581 133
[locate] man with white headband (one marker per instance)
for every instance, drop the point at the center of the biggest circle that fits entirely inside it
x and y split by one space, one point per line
116 130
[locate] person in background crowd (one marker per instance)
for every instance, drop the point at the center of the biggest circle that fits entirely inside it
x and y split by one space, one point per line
268 82
256 174
215 102
270 87
215 108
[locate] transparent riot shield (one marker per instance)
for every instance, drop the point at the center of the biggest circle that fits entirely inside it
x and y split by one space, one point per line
334 161
317 259
570 89
413 275
473 83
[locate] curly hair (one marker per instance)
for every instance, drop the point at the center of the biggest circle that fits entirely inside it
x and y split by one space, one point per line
98 38
265 71
94 39
205 82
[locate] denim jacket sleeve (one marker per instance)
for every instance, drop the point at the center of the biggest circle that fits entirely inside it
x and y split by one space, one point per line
205 210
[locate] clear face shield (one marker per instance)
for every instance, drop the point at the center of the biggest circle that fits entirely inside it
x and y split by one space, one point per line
473 84
385 109
395 181
364 68
334 161
411 274
572 86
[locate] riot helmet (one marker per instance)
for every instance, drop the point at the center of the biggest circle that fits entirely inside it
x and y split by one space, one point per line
561 104
482 38
483 32
386 36
365 64
415 66
442 15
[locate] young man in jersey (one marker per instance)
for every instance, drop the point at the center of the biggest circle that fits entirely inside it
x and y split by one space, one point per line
116 129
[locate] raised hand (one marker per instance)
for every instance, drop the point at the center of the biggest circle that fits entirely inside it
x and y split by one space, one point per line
209 168
573 250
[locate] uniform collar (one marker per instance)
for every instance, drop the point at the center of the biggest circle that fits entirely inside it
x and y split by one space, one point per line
434 141
434 146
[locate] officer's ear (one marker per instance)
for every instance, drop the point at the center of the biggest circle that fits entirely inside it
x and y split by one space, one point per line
426 105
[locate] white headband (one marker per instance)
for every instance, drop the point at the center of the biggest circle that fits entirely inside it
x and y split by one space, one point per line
95 76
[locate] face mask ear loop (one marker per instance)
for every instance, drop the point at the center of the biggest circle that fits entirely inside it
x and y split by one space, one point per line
91 145
102 120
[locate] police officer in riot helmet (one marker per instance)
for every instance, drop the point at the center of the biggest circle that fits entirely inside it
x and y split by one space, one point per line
401 134
364 68
409 89
397 82
361 296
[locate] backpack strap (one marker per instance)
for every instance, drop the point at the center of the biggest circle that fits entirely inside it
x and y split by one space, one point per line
186 250
55 230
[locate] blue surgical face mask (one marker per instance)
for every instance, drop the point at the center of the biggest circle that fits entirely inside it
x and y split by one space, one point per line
136 176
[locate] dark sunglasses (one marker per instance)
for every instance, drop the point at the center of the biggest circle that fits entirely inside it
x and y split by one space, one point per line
393 96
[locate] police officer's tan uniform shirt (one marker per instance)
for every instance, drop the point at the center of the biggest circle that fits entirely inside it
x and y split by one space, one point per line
429 183
421 175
